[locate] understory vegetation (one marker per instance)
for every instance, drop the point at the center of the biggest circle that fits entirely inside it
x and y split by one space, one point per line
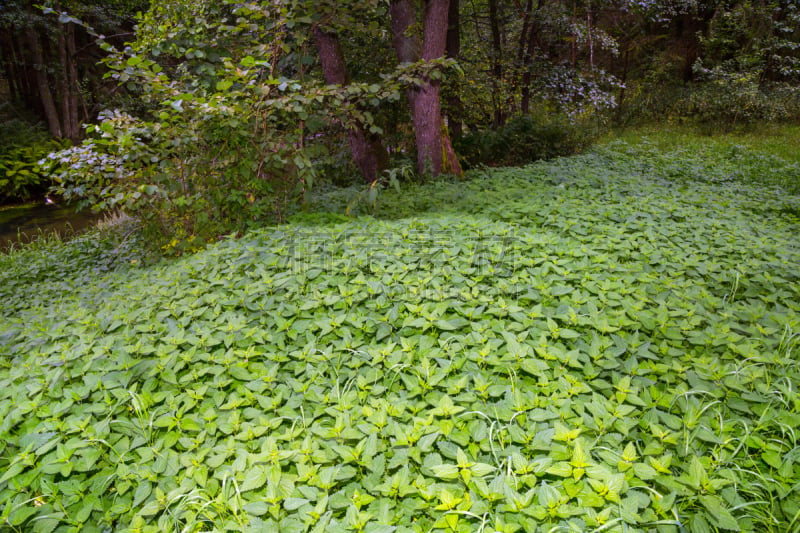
605 342
22 145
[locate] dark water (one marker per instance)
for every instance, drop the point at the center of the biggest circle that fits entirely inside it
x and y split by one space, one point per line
28 222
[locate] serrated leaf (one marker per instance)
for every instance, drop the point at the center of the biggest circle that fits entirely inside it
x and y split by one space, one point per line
644 472
719 513
445 471
482 469
256 508
255 478
292 504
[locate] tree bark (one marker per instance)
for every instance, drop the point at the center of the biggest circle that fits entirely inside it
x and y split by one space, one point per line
69 81
72 96
7 53
454 103
527 63
406 44
42 84
367 148
435 154
496 62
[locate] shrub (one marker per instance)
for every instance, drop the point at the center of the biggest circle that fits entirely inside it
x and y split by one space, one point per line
189 177
731 98
522 140
217 146
21 148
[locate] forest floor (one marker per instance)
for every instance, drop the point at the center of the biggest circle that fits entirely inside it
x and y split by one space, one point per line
605 342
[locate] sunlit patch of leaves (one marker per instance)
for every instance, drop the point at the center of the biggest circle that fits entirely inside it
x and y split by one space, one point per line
604 344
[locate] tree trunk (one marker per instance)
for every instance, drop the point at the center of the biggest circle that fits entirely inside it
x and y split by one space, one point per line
367 148
70 127
520 64
74 131
42 85
406 44
435 154
527 63
7 52
454 103
496 62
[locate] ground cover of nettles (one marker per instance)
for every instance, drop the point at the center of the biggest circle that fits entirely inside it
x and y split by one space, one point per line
607 342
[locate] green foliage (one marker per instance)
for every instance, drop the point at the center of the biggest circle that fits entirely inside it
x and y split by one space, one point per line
766 156
731 98
606 342
221 147
746 73
760 38
23 145
522 140
227 138
67 265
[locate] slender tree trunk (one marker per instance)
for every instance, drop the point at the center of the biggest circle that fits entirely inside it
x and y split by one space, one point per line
623 82
454 103
42 85
590 31
520 64
527 74
6 52
69 83
435 154
496 62
523 36
24 72
74 131
367 148
527 62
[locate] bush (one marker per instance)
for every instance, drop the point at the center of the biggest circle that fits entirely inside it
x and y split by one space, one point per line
734 98
189 177
21 148
522 140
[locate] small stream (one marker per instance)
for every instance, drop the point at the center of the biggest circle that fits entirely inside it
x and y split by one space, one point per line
27 222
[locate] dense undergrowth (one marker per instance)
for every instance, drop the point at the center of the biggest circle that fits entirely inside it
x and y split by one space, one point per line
22 145
607 342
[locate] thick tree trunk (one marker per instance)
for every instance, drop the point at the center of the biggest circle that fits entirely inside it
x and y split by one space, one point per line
367 148
435 154
406 45
42 85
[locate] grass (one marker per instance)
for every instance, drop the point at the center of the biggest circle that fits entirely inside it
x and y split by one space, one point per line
606 342
778 140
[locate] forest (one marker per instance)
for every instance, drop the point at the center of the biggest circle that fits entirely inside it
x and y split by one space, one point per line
395 266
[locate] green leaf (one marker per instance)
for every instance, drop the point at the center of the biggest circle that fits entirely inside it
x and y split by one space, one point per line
719 513
445 471
222 86
644 472
255 478
482 469
292 504
142 492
